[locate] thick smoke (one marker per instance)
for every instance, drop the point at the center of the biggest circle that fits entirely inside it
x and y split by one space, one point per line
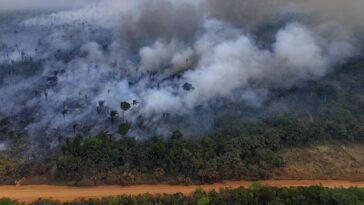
39 5
175 61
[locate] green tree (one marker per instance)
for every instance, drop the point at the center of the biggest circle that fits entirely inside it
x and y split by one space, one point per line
204 200
124 128
7 201
125 106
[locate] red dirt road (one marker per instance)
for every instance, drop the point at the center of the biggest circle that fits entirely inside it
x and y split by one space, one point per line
65 193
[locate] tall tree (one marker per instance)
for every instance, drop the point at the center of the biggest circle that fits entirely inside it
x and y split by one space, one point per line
124 106
113 116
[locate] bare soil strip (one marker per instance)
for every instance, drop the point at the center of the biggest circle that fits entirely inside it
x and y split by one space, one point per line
64 193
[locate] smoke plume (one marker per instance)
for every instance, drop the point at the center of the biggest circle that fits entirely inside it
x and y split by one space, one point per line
66 66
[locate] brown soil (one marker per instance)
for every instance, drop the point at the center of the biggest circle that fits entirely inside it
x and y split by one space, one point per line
64 193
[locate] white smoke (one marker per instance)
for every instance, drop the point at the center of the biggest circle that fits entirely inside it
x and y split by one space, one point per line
169 57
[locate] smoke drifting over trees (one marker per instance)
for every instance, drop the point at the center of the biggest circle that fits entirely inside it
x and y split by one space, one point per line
67 66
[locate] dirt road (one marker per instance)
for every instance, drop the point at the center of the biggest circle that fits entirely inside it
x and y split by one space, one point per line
64 193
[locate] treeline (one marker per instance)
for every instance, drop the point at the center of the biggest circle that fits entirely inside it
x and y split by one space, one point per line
102 159
248 153
255 195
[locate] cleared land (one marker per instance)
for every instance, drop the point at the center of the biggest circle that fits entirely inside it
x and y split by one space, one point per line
323 162
64 193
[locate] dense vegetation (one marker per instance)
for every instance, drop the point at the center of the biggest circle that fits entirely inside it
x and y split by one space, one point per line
257 194
320 111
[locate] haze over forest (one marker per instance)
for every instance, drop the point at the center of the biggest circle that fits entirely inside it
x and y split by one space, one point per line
182 65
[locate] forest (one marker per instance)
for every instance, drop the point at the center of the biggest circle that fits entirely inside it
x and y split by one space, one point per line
239 150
